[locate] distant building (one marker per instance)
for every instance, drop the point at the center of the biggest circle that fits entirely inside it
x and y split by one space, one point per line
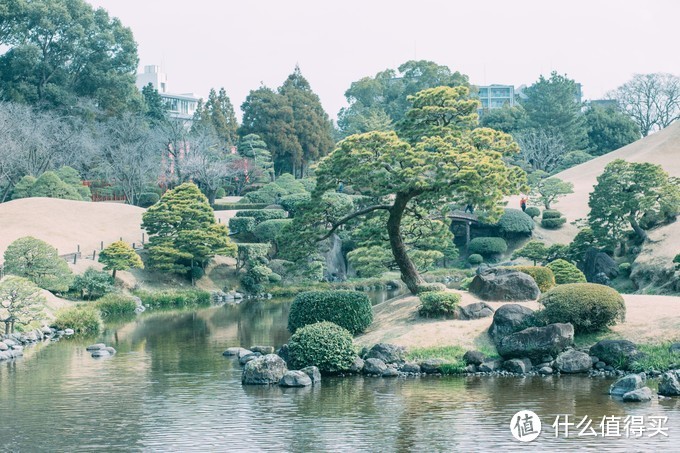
496 96
180 106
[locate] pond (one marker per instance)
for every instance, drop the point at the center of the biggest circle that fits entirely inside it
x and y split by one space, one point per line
170 389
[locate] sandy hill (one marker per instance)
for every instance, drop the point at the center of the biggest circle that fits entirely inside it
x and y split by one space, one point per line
65 224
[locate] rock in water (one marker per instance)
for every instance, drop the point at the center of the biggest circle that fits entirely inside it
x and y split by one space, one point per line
519 366
313 373
638 396
388 353
357 365
409 367
248 357
295 379
536 342
110 350
95 347
390 372
509 318
264 350
490 365
99 353
232 352
268 369
616 352
669 385
626 384
374 366
573 361
3 346
431 366
498 284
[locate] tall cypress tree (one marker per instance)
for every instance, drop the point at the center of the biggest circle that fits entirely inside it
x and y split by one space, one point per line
217 116
313 128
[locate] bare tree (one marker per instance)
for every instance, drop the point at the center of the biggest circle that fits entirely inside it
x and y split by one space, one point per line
542 149
651 100
130 154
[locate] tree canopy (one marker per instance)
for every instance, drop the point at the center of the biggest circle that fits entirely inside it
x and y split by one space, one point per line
20 302
39 262
609 129
437 157
119 256
183 233
217 117
61 51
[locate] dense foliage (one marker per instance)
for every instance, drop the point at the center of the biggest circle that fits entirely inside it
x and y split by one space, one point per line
565 272
92 284
589 307
488 246
553 224
532 250
514 222
174 298
116 304
83 319
324 345
260 215
434 304
543 276
348 309
39 262
21 302
119 256
475 259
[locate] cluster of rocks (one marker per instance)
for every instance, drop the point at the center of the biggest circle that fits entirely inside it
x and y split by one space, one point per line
632 388
12 345
261 366
220 297
100 350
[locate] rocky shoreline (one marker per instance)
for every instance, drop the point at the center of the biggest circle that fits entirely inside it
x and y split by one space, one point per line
12 345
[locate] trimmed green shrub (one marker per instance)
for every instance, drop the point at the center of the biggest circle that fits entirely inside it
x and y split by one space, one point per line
465 283
324 345
83 319
553 224
148 199
428 287
92 284
174 298
565 272
116 304
268 230
275 278
220 193
551 214
350 310
488 246
436 304
241 225
260 215
624 269
532 211
475 259
250 254
588 306
254 280
292 203
543 276
238 206
515 222
22 189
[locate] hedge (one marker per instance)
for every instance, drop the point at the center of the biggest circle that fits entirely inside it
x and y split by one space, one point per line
438 304
174 298
260 215
543 276
350 310
238 206
532 211
588 306
241 225
487 246
116 304
324 345
553 224
268 230
475 259
515 222
551 214
292 203
565 272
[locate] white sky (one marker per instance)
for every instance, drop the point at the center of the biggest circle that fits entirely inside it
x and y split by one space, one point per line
239 44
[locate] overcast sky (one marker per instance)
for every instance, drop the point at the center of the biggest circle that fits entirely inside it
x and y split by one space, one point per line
241 44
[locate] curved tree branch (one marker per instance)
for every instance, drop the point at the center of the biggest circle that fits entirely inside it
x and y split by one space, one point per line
353 215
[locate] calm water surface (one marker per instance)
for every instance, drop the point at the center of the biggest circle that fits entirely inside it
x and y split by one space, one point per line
170 389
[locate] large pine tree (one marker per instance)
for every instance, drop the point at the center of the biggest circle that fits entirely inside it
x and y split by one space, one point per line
217 116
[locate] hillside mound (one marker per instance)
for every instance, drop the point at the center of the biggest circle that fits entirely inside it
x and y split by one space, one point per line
65 224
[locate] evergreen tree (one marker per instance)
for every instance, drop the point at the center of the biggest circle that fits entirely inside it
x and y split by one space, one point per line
39 262
155 109
183 233
313 129
609 129
217 116
20 302
119 256
253 147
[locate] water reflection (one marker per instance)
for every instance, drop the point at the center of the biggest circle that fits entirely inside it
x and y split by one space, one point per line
170 389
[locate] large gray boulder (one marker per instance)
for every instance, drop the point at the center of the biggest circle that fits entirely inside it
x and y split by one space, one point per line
248 357
617 353
500 284
573 361
536 342
313 373
431 366
626 384
490 365
640 395
230 352
268 369
510 318
473 358
669 385
295 379
3 346
264 350
477 310
388 353
374 366
357 365
598 267
519 366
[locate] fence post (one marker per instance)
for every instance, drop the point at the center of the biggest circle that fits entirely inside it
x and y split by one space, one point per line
78 248
94 253
75 257
101 246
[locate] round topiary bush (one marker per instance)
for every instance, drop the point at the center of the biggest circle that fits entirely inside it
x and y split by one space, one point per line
487 246
438 303
565 272
515 222
588 306
552 214
324 345
532 211
350 310
553 224
268 230
543 276
148 199
475 259
428 287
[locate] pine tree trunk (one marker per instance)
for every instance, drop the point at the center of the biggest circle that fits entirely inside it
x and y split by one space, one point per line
409 273
636 227
114 274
